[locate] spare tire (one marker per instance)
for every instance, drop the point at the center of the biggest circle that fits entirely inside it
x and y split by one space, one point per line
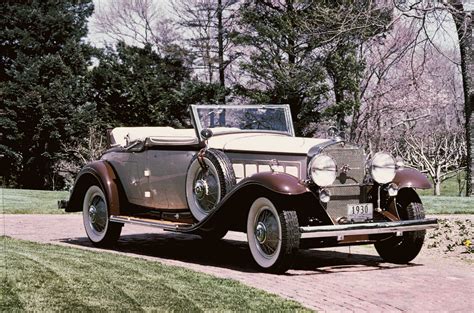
205 188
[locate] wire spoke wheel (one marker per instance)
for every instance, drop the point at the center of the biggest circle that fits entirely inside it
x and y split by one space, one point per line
267 232
208 183
206 191
273 235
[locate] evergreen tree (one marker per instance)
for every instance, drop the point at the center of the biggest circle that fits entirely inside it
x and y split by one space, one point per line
136 86
43 66
299 51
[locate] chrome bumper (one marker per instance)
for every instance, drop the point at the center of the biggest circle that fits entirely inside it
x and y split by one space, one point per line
367 228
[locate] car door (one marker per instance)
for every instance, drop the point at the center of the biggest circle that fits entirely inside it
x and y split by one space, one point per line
168 166
130 167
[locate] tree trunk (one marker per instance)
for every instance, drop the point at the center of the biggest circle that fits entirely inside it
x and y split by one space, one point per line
291 40
207 53
220 42
437 181
464 24
437 187
470 104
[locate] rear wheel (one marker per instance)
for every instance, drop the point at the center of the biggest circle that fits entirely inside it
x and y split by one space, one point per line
403 249
273 236
95 215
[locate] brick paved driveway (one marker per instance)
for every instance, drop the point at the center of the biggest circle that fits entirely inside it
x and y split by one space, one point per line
323 279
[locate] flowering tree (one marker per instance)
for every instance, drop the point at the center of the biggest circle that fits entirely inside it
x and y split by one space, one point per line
434 14
440 154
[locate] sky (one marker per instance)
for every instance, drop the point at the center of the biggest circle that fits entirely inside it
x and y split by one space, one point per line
99 40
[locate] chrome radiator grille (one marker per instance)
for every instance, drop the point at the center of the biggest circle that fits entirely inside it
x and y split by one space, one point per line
350 162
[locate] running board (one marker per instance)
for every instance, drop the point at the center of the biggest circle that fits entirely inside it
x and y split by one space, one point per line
166 225
339 231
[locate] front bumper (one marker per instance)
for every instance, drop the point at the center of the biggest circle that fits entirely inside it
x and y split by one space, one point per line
340 231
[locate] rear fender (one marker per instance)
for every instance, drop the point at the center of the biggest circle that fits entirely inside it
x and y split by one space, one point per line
100 172
411 178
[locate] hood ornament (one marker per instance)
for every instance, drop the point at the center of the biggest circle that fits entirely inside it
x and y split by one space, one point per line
335 134
343 173
345 168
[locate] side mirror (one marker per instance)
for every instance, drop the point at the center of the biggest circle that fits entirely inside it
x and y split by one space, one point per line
206 133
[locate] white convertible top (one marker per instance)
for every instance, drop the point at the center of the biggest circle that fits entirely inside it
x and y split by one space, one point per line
251 142
120 136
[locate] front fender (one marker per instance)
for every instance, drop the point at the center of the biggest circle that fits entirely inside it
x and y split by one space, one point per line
411 178
280 183
100 172
232 210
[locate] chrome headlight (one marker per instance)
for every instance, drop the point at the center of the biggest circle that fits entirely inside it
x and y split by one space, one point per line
382 168
322 170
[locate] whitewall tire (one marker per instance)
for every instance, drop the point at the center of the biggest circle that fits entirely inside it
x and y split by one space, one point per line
95 214
273 235
205 188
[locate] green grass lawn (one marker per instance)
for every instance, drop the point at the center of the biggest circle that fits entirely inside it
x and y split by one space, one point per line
23 201
42 277
449 187
448 205
449 202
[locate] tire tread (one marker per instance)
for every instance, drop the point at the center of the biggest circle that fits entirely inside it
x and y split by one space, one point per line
402 250
290 242
227 171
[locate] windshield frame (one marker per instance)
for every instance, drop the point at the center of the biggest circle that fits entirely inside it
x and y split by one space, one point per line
286 108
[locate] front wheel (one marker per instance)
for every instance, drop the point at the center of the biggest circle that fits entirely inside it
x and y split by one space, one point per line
403 249
95 215
273 236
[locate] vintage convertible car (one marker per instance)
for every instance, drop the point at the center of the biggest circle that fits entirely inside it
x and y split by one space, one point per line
241 168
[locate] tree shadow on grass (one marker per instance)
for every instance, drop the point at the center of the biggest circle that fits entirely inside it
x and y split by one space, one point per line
235 255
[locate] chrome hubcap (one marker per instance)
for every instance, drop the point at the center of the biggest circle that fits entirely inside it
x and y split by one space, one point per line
267 233
92 213
201 189
206 190
261 232
98 214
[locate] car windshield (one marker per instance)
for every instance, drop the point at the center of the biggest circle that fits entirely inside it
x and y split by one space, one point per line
241 118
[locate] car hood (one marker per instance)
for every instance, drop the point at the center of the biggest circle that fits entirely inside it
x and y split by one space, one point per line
271 143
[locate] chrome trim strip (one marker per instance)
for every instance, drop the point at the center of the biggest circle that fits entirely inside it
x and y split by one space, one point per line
345 185
367 228
157 224
174 141
317 149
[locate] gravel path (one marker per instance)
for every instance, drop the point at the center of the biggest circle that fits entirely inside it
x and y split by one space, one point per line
342 279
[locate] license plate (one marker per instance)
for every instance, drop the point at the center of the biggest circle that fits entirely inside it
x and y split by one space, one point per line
360 212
